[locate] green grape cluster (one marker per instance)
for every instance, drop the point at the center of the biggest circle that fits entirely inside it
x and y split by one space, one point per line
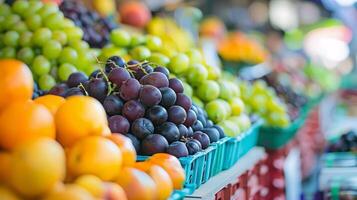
39 35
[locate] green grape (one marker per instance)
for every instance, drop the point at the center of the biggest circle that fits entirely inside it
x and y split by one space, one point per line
159 59
34 22
194 56
137 39
54 20
68 55
67 23
10 21
25 39
153 42
197 74
91 68
73 33
120 38
79 45
65 70
11 38
41 35
20 6
2 22
26 55
40 65
112 51
60 36
8 52
4 9
34 6
179 63
19 27
51 49
46 82
47 9
140 53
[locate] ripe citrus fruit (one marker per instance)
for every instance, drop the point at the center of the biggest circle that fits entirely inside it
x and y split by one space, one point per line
37 166
126 147
5 159
78 117
70 192
95 155
7 194
114 192
23 121
52 102
92 184
16 82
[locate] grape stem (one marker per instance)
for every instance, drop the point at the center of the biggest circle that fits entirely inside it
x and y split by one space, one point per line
81 86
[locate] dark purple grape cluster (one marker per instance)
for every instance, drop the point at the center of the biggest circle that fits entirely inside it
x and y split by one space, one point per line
95 28
37 92
146 105
346 143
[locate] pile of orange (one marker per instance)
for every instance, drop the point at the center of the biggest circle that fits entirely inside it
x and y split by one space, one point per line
53 148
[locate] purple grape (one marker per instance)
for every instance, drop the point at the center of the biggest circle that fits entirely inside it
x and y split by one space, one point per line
134 141
176 84
133 110
114 62
163 70
183 130
130 89
177 114
191 118
118 124
142 127
202 138
133 62
156 79
202 119
193 146
209 123
113 105
212 133
118 76
189 132
150 95
220 130
183 101
152 144
148 69
177 149
76 78
170 131
59 90
138 71
97 88
197 126
96 74
157 115
73 92
168 97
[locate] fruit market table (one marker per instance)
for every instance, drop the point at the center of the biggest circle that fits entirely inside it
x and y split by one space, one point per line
212 188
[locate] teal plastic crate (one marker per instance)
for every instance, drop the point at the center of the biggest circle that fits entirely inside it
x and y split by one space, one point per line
197 167
219 156
180 194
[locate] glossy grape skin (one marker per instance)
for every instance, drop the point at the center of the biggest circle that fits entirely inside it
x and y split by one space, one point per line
189 132
113 105
209 123
157 114
191 118
148 69
76 79
170 131
118 124
142 127
134 141
114 62
177 114
202 119
133 110
156 79
183 101
118 76
183 130
193 146
97 88
152 144
150 95
130 89
96 74
212 133
163 70
73 92
177 149
220 130
168 97
59 90
202 138
176 84
197 126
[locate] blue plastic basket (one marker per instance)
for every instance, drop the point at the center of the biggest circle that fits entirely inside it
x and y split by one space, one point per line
219 156
180 194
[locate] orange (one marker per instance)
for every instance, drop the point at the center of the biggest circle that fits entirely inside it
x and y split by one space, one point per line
52 102
23 121
92 184
172 166
95 155
37 166
114 192
160 177
70 192
4 166
7 194
16 82
126 147
137 184
78 117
